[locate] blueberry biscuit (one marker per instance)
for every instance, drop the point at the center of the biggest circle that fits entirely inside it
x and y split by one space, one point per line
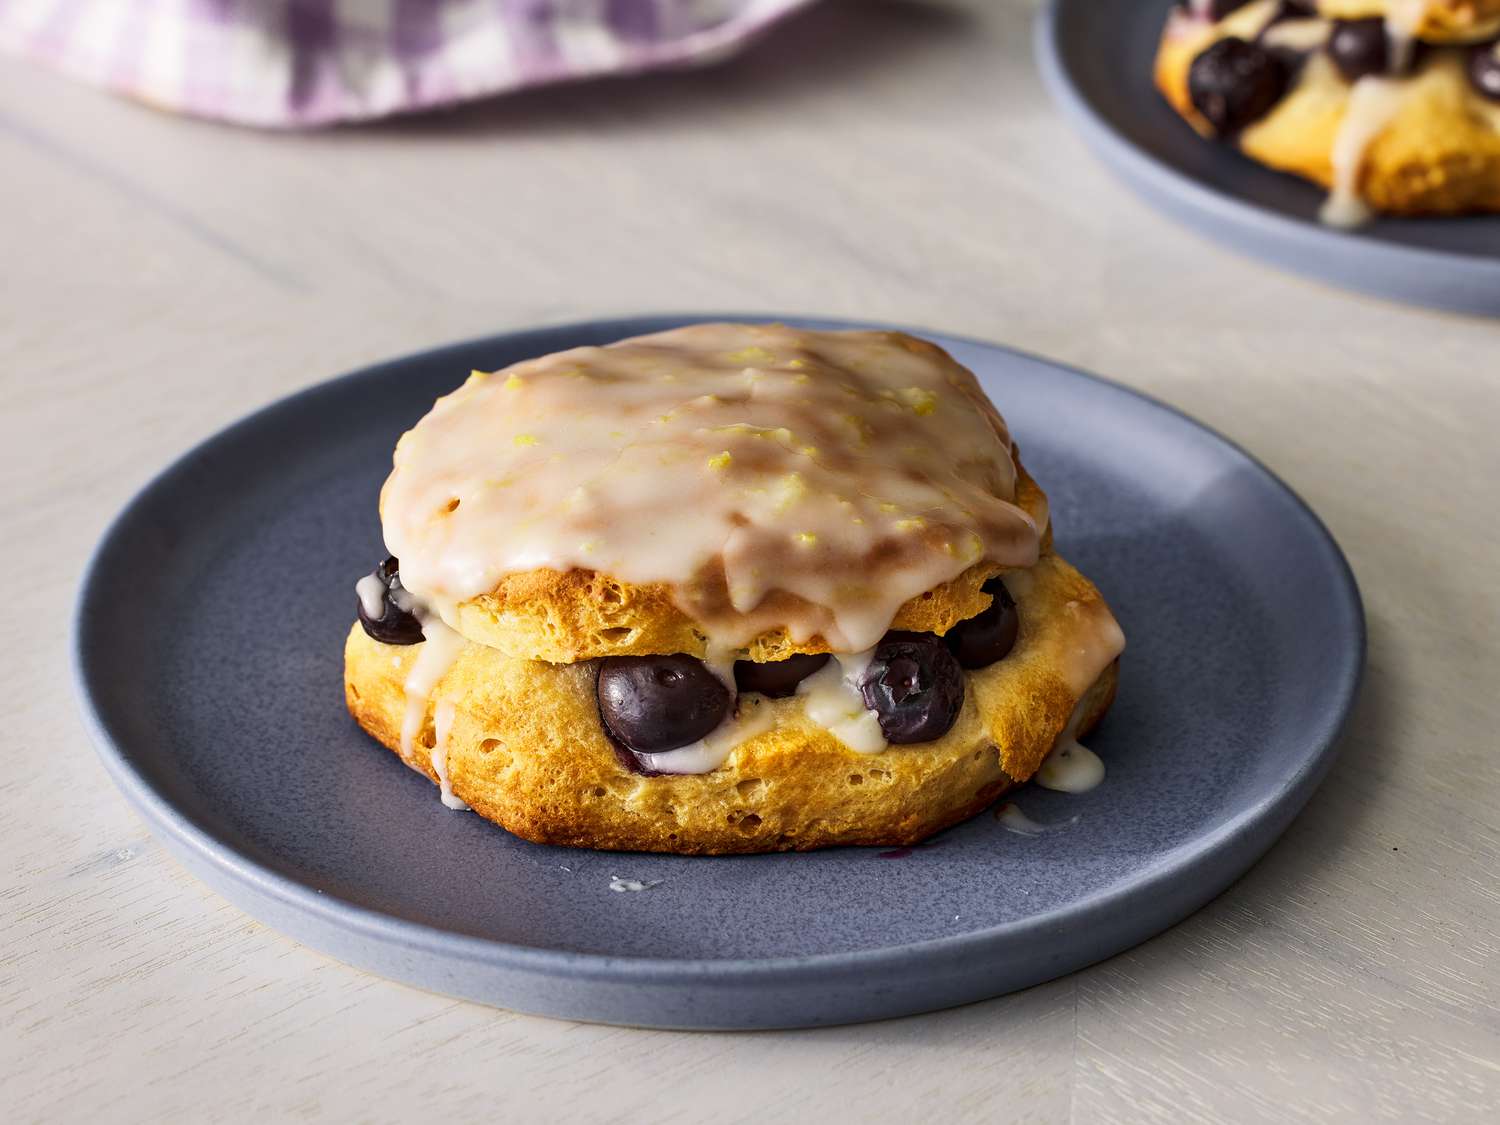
1392 105
726 589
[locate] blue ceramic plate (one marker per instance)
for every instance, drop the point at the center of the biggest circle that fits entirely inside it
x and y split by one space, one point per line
1096 58
209 657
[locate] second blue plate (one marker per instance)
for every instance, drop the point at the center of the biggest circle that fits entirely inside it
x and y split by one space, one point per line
1096 59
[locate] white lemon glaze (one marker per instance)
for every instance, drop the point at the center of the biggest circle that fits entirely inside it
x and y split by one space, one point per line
1402 21
751 718
1014 819
371 592
443 724
1373 102
1070 767
831 698
1096 641
622 885
434 656
1296 34
852 470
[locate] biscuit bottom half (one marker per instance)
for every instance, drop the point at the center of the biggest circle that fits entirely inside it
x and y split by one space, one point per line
524 746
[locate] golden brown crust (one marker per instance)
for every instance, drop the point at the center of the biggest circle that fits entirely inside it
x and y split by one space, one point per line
526 749
1174 58
564 617
1439 155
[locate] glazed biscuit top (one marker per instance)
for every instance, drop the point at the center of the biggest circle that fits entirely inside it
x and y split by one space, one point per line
843 472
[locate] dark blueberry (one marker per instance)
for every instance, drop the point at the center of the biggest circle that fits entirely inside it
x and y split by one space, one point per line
656 703
1290 58
395 625
1234 83
1484 70
1359 48
779 678
980 641
915 687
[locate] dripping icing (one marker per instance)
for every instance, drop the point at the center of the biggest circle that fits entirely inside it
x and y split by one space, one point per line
1095 641
1373 102
752 717
1071 767
371 591
1013 819
1402 22
1296 34
622 885
443 724
832 699
435 655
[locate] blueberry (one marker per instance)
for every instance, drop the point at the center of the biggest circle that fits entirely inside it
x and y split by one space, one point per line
980 641
1234 83
915 687
1484 70
656 703
396 625
1359 48
779 678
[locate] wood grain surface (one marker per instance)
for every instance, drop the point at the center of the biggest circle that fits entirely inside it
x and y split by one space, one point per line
160 277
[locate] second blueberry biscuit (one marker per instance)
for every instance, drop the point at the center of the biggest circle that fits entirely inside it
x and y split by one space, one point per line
1393 106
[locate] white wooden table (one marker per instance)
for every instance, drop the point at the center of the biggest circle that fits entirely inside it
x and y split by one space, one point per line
158 278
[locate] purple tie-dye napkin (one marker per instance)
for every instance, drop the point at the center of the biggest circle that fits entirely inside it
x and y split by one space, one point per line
291 63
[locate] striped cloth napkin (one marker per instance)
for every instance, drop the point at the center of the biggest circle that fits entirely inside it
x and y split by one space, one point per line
294 63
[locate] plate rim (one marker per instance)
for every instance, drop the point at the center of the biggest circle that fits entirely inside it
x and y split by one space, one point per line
330 910
1133 162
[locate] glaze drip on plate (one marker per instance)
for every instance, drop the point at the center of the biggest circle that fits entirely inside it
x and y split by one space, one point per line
852 470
